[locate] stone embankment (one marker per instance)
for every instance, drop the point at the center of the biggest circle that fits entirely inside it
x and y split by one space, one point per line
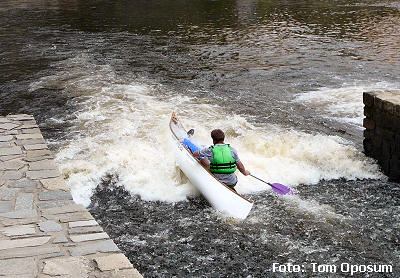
382 130
43 233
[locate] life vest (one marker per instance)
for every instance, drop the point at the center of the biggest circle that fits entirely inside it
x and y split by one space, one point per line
222 161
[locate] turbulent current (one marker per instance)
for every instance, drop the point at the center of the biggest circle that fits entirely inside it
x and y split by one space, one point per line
284 80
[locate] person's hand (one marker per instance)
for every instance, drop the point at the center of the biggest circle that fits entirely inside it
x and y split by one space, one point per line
246 173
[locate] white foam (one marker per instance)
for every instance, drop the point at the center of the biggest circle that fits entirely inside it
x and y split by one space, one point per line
344 104
122 130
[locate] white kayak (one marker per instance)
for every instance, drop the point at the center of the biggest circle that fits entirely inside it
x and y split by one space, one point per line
221 197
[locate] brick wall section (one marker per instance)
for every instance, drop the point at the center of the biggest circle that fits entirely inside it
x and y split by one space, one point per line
43 233
382 130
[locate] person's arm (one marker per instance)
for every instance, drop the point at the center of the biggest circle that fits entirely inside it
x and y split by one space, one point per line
203 156
242 169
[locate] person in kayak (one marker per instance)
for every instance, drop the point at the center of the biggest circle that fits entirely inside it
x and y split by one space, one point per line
221 159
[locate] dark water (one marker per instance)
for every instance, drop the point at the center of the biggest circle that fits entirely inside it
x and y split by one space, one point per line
252 58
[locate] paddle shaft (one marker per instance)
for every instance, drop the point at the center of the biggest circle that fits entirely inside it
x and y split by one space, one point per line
261 180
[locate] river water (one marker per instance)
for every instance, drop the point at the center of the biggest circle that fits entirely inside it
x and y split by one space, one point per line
284 79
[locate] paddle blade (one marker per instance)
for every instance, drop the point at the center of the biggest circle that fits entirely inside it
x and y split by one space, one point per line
281 189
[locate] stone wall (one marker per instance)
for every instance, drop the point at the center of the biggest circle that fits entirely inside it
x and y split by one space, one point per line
382 130
43 233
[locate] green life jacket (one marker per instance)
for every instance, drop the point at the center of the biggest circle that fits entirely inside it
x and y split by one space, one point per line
222 160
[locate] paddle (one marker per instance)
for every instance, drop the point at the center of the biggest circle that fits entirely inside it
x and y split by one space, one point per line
277 187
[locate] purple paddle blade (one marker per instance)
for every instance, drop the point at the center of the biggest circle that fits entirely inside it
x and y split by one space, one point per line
280 189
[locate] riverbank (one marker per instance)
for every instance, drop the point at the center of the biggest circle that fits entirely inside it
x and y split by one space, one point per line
41 227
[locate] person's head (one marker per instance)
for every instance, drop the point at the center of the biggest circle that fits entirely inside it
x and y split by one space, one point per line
218 136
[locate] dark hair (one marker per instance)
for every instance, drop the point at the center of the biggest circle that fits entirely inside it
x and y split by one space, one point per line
217 135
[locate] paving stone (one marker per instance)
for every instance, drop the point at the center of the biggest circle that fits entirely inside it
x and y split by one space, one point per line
5 206
11 157
8 193
15 164
29 136
60 238
35 147
111 262
54 195
24 242
6 144
38 154
86 248
8 126
11 175
47 164
30 252
55 184
123 273
20 117
69 217
30 130
18 230
30 142
13 222
28 125
70 267
85 230
88 237
82 223
37 158
24 201
10 150
4 120
4 138
24 183
19 214
53 203
64 209
11 132
49 226
42 174
18 267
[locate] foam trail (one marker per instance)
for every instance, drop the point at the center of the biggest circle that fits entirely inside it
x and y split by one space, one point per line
343 104
123 131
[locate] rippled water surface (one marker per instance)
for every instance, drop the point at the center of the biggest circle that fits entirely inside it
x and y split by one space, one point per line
284 79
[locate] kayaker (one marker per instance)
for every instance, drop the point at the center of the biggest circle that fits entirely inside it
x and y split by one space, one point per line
221 159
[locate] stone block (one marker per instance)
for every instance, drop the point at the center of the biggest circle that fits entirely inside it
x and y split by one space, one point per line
47 164
11 175
8 126
15 164
42 174
21 117
24 201
368 98
35 147
49 226
85 230
68 267
60 238
11 157
24 242
6 144
70 217
5 138
369 123
53 203
18 230
24 183
30 142
82 223
30 130
123 273
54 184
10 151
86 248
21 267
112 262
8 193
5 206
64 209
88 237
29 136
19 214
54 195
30 252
